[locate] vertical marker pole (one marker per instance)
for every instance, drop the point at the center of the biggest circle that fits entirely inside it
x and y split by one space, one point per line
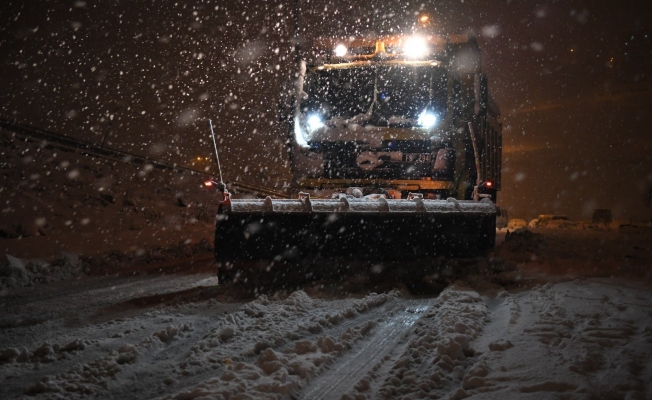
476 155
219 168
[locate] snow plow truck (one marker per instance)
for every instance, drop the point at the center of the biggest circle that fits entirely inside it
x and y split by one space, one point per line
395 149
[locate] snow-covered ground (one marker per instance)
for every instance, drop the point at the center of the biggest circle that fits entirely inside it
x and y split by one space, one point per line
64 214
545 322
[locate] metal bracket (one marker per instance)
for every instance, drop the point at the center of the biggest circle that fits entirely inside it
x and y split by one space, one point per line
384 203
346 203
225 204
418 199
269 205
305 199
455 202
477 196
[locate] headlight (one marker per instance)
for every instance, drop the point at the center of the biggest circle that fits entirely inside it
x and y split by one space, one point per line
314 122
340 50
427 119
415 47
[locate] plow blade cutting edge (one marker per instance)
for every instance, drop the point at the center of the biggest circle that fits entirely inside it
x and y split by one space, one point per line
358 228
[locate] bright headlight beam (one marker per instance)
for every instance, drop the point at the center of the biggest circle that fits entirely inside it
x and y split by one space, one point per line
427 119
314 122
415 47
340 50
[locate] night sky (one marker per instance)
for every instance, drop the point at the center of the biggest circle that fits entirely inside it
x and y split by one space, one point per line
573 79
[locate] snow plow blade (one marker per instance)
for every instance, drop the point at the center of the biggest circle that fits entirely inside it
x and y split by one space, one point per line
358 228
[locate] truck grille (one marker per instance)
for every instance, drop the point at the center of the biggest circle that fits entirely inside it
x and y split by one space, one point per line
406 146
340 160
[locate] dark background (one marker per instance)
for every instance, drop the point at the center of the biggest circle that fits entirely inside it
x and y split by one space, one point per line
573 79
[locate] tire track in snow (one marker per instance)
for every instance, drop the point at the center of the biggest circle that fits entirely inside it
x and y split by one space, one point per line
356 322
341 377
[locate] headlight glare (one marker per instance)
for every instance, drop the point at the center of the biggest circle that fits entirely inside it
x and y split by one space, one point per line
314 122
427 119
415 48
340 50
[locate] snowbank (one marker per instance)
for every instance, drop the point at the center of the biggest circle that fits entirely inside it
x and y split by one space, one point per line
17 272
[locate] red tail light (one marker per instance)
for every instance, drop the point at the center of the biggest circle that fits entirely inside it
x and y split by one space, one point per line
208 183
488 184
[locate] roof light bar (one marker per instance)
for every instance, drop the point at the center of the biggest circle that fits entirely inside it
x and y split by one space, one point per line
415 47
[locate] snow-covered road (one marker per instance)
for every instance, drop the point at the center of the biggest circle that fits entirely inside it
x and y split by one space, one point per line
583 338
553 314
586 338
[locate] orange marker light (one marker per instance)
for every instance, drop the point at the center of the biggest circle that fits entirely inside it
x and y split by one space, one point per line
424 20
208 183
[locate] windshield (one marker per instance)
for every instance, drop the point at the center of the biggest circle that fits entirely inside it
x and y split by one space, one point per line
388 95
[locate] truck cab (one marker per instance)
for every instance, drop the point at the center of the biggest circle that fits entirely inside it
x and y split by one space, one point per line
399 114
